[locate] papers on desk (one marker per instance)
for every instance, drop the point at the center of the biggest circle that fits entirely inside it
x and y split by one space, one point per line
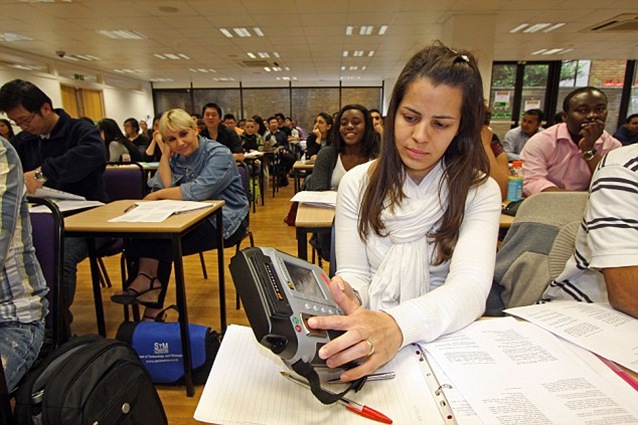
158 211
513 372
500 371
253 155
65 206
245 387
596 327
327 199
47 192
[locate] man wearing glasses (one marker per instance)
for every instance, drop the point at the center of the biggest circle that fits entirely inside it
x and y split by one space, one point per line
57 151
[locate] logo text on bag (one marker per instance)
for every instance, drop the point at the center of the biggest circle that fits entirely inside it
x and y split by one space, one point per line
160 348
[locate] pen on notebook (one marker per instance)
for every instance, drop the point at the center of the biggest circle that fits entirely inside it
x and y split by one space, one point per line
382 376
130 207
353 406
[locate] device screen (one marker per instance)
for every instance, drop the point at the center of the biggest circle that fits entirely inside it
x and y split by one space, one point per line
304 281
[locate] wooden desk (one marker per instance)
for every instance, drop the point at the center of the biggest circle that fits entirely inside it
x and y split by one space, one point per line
94 223
506 221
250 158
297 168
311 219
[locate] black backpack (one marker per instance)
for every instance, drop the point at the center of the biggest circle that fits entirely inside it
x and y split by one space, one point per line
89 380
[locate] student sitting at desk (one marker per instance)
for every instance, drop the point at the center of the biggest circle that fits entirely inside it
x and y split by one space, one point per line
604 265
192 168
354 142
416 229
319 136
117 145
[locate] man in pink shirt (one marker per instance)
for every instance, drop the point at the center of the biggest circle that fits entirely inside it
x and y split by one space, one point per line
564 156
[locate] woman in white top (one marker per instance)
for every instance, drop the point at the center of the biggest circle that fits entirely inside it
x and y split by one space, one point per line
416 229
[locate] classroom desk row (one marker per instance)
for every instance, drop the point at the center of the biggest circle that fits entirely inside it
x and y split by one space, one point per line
311 219
95 223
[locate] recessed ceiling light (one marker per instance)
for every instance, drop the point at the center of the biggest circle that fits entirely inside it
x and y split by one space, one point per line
383 29
122 34
365 29
12 36
160 80
276 54
371 53
358 53
267 69
241 32
518 28
88 58
555 26
536 27
552 51
263 55
226 32
251 55
538 52
345 53
171 56
28 67
258 31
349 30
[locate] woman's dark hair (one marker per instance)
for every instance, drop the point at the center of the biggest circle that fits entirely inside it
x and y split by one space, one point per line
11 133
370 147
111 130
466 163
261 127
328 119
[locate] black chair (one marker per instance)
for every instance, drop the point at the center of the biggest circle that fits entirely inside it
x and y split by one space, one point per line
122 180
48 240
245 180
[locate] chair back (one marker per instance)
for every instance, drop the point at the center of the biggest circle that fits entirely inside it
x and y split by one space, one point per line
245 181
537 246
48 235
125 180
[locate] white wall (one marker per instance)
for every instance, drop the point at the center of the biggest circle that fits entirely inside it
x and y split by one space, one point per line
119 103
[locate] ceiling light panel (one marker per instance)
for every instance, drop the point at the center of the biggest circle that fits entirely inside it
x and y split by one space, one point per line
12 36
366 30
537 27
122 34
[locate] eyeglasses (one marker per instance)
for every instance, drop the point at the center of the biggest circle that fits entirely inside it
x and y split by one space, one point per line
25 122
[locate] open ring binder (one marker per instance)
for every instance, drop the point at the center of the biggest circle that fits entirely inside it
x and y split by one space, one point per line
436 388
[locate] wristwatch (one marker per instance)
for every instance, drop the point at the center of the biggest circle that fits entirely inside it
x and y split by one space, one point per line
589 155
39 177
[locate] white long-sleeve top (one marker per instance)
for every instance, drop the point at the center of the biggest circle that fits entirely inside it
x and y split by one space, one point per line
458 288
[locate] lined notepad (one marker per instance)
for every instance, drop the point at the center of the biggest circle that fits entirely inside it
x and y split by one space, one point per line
244 387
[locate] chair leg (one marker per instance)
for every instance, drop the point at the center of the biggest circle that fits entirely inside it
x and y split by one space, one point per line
105 281
201 260
124 275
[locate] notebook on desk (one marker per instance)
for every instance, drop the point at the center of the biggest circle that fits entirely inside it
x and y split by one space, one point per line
245 387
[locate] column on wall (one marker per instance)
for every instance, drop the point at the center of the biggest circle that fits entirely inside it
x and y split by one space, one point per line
475 33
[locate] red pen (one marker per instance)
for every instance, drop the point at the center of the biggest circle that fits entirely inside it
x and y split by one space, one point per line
353 406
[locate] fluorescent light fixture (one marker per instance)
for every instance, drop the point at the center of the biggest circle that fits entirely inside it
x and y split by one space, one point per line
267 69
565 51
536 27
122 34
263 55
258 31
383 29
363 68
160 80
276 54
518 28
555 26
371 53
349 30
285 78
365 29
286 68
353 68
276 68
345 53
226 32
12 36
88 58
171 56
242 32
358 53
28 67
343 67
202 70
538 52
552 51
251 55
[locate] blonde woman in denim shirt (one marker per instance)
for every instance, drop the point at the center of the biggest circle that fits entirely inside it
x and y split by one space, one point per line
192 168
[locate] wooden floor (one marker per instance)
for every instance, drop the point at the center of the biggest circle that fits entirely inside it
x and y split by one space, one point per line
269 229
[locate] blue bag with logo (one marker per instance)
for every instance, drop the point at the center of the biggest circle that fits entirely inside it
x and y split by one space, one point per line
159 348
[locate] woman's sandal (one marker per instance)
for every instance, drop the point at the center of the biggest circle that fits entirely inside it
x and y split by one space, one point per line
133 296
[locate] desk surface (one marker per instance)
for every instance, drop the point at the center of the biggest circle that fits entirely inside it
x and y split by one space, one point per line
506 221
303 165
96 219
313 216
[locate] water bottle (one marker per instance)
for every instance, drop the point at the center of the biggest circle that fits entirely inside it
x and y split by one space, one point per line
515 182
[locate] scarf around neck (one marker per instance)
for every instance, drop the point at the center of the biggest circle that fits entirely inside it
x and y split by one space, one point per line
404 273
